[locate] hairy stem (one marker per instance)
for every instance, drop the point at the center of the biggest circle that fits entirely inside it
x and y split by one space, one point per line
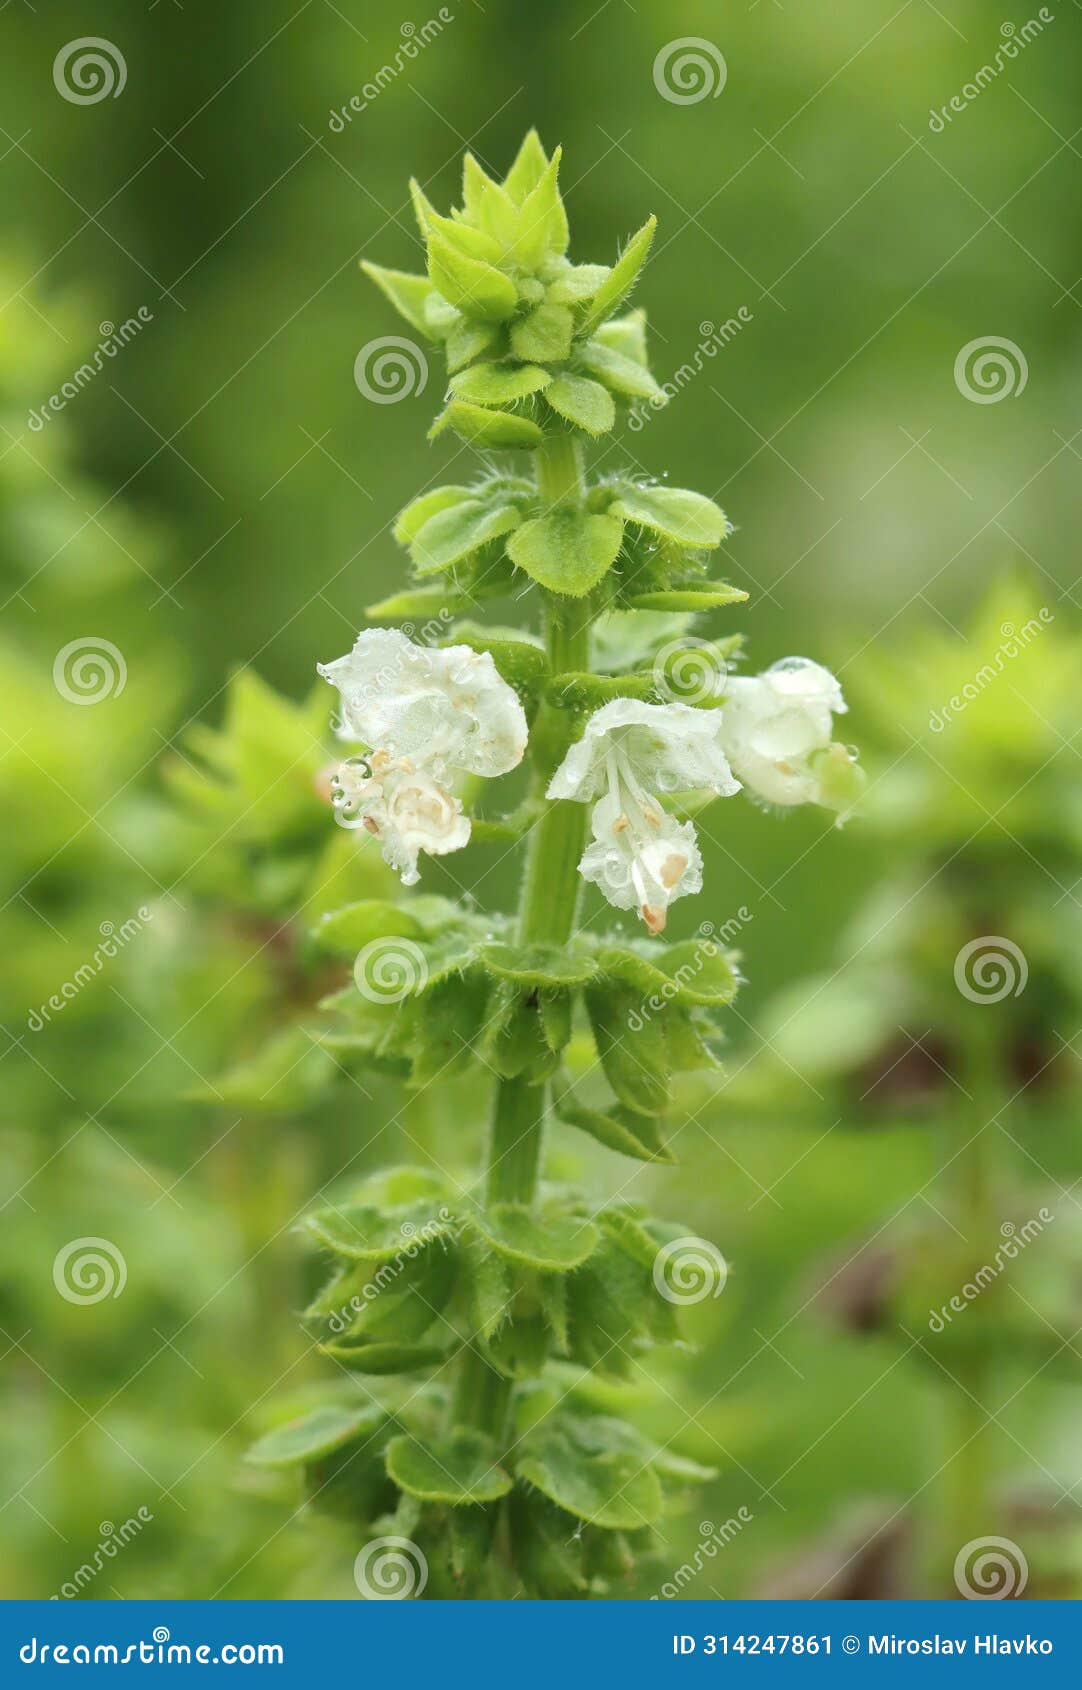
547 911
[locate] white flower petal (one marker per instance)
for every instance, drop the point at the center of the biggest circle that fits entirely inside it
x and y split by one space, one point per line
447 708
670 747
406 810
775 724
641 868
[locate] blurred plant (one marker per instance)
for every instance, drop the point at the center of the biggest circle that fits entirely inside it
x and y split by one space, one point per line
517 1480
954 1002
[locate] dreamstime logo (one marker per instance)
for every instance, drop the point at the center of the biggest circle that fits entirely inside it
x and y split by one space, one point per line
706 948
413 40
113 338
88 1270
88 70
689 671
113 938
1013 42
414 1240
688 1270
712 1538
715 337
390 1569
1015 1240
88 670
111 1540
688 70
389 369
990 968
990 1569
1015 640
389 970
989 369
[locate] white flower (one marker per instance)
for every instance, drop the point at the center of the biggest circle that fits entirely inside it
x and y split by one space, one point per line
639 856
447 707
425 715
403 806
776 731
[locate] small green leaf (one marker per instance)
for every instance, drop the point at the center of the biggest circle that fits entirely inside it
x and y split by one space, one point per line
581 1465
552 1293
498 429
626 335
459 531
315 1434
347 930
467 340
490 1289
465 238
538 965
498 384
624 275
581 401
622 375
576 283
408 294
542 230
478 289
545 334
567 551
555 1012
688 519
362 1233
632 1049
412 519
435 601
458 1469
531 162
519 658
696 971
589 692
711 596
521 1347
619 1129
552 1242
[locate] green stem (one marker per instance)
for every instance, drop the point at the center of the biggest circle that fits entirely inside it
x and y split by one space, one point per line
547 910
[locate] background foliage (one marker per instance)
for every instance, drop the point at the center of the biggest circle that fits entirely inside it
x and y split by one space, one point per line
218 500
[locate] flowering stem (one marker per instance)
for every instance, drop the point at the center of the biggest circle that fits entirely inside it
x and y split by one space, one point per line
547 911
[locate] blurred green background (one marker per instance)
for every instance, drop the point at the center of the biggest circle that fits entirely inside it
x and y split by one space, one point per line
217 500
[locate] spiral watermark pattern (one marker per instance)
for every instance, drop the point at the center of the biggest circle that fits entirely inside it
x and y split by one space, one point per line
88 1270
688 70
389 369
689 671
990 1569
88 670
989 369
89 70
390 1569
688 1270
390 970
990 968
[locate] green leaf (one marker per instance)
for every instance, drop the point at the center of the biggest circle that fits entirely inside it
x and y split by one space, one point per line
619 1129
711 596
552 1242
538 965
622 278
468 339
362 1233
315 1434
633 1052
531 162
498 384
519 657
457 532
574 1463
458 1470
400 1300
411 520
465 237
688 519
478 289
542 229
581 401
624 1226
589 692
576 283
408 294
545 334
347 930
626 335
511 1042
554 1009
381 1359
490 1289
498 429
521 1347
696 971
622 375
567 551
446 1027
552 1294
419 601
